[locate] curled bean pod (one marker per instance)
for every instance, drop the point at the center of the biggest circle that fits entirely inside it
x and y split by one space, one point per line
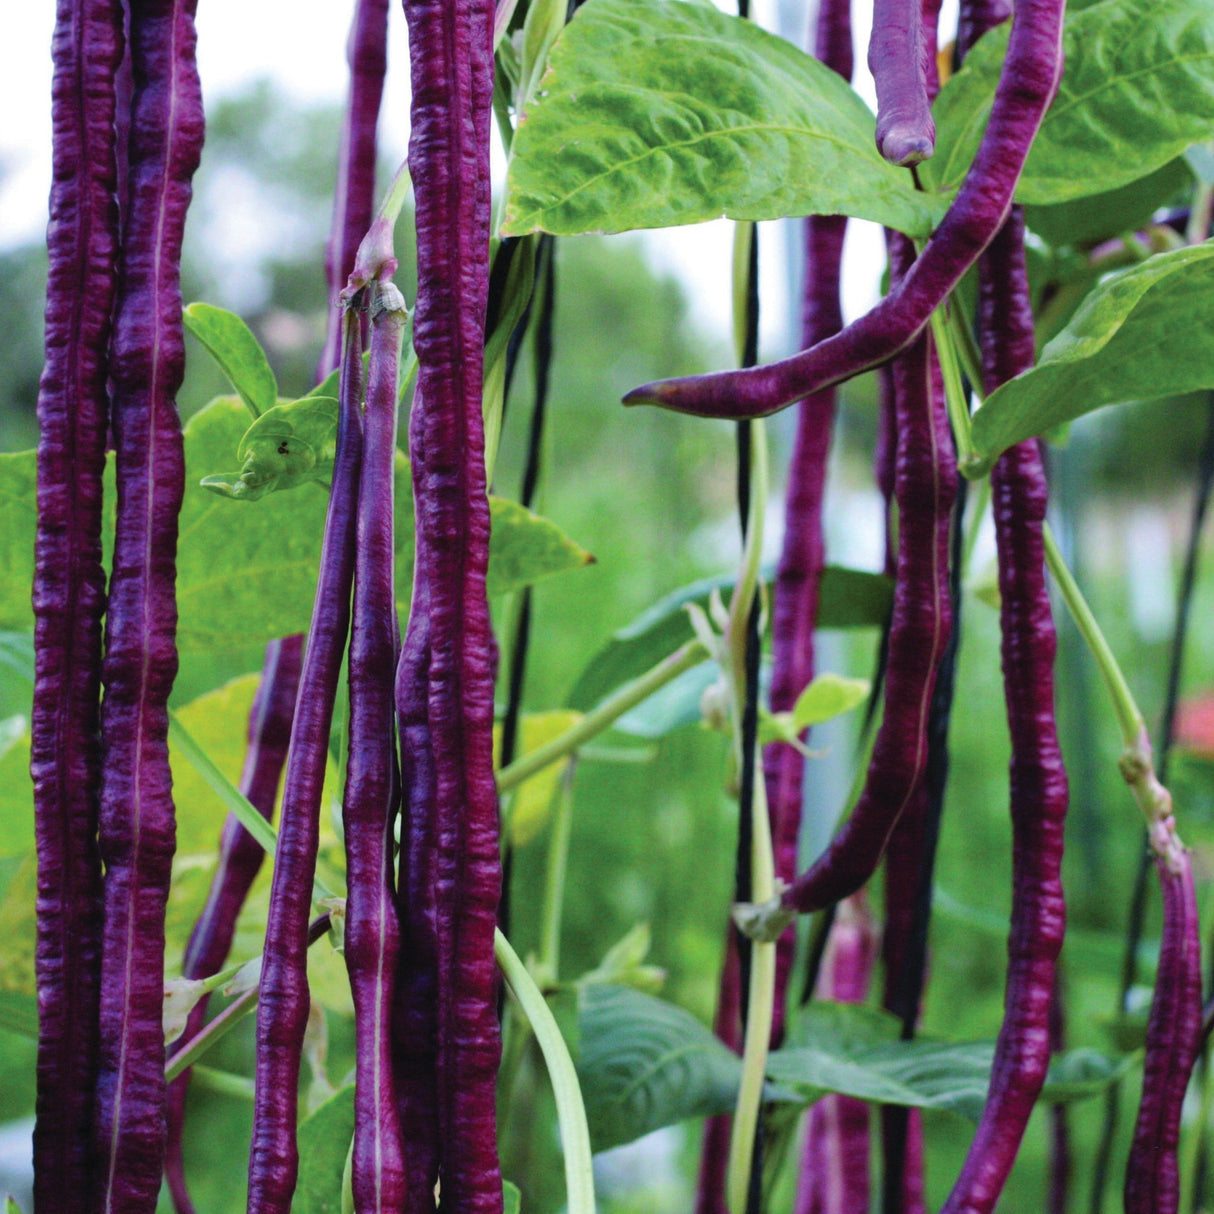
137 828
1026 86
898 60
282 1009
1038 778
240 860
354 199
372 935
69 591
451 50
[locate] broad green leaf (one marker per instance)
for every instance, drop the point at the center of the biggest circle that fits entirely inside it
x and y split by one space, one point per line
828 696
288 445
930 1075
1098 217
18 515
525 548
1145 333
16 788
18 930
847 598
324 1142
644 1064
532 800
655 114
232 345
1138 89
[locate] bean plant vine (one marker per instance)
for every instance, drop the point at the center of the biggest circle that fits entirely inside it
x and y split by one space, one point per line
1043 178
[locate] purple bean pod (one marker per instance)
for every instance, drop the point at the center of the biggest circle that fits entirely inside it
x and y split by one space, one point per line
925 486
898 59
354 199
834 1163
240 859
1026 86
452 70
282 1009
136 825
69 591
975 18
372 794
1038 778
1152 1184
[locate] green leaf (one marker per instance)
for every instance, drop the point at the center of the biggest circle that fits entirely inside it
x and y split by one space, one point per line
1138 89
1145 333
18 930
1098 217
18 516
828 696
19 1013
525 548
324 1142
16 788
232 345
652 115
288 445
848 1049
847 598
512 1199
531 802
645 1063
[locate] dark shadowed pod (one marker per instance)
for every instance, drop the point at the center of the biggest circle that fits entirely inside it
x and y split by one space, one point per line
452 71
282 1009
1038 779
137 825
372 795
69 590
240 860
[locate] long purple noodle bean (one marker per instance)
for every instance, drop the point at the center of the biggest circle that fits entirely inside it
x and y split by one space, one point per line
898 59
137 827
240 860
1038 778
354 200
452 71
372 935
1027 85
69 591
282 1010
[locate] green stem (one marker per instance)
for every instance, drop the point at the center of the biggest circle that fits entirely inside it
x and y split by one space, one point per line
980 500
747 586
602 716
554 881
223 1082
215 1031
570 1109
969 462
760 1008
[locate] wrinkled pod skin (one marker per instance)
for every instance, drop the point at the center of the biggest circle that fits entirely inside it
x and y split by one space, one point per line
137 828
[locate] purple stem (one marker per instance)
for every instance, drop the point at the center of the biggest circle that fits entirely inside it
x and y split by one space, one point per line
354 200
452 72
136 827
240 859
69 591
1026 86
282 1011
372 796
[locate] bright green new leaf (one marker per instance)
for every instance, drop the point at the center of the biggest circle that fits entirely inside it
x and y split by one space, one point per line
1146 333
239 354
1137 90
324 1142
828 696
512 1199
16 788
656 114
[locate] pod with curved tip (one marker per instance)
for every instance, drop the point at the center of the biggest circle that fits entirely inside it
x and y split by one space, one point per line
69 591
1026 86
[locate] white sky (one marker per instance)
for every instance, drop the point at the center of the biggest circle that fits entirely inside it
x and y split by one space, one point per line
240 41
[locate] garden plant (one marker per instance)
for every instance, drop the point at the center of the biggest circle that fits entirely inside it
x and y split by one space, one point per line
400 816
